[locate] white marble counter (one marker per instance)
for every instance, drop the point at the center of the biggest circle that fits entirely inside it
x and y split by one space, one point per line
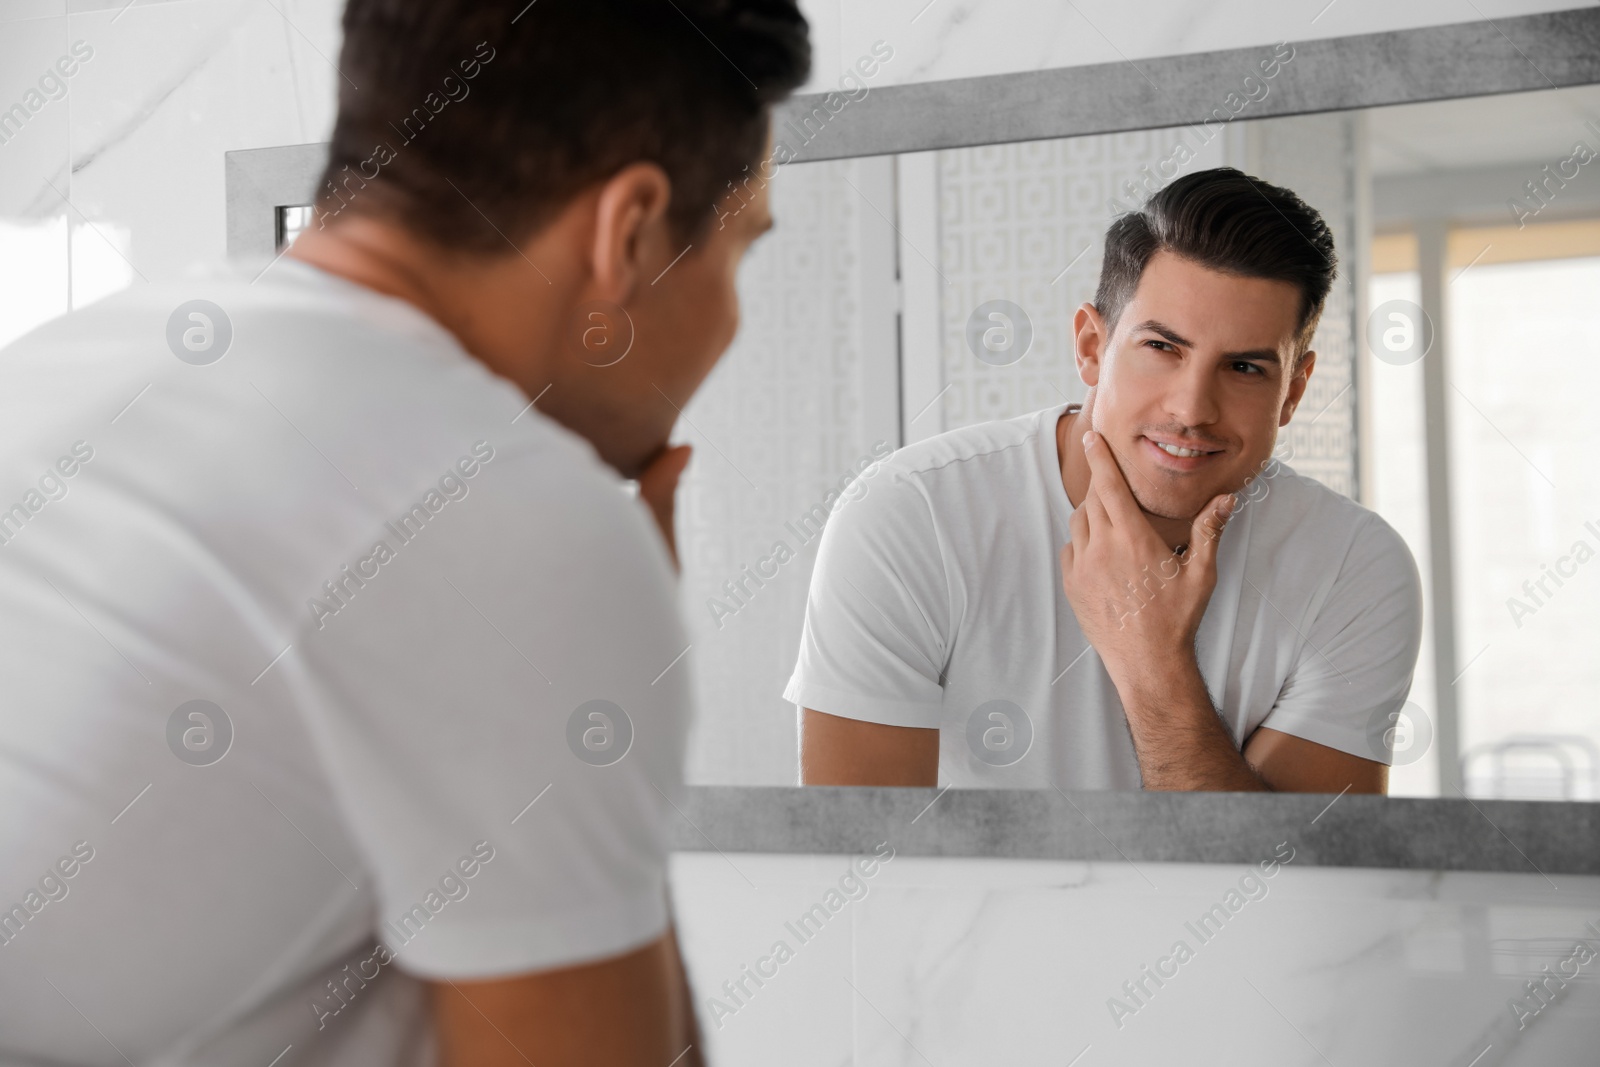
962 961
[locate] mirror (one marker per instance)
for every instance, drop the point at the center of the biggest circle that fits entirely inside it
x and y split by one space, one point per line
1472 219
855 342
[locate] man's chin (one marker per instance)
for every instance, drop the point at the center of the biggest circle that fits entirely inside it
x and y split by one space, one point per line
1173 508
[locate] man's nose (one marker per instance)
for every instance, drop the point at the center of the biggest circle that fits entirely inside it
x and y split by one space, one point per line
1191 398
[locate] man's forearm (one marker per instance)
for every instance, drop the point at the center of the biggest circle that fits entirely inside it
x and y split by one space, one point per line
1179 739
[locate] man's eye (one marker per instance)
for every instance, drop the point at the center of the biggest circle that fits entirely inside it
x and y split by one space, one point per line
1251 367
1161 345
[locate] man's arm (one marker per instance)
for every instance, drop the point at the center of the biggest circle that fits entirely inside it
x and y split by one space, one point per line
1182 744
840 751
632 1010
1179 748
1292 764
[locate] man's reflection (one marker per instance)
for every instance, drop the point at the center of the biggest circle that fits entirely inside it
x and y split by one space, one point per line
1134 592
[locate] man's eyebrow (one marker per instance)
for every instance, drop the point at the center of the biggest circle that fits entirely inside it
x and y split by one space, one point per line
1265 355
1165 331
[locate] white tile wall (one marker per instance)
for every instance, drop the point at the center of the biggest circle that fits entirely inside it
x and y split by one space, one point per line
33 219
131 155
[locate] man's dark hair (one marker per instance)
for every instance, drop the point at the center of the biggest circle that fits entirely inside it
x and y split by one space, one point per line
1228 221
496 113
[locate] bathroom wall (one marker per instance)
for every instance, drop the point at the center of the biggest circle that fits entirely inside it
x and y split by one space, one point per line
119 181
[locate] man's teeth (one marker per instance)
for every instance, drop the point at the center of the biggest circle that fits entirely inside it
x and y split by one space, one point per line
1174 450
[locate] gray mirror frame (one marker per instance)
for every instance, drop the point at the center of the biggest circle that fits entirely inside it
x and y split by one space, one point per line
1481 58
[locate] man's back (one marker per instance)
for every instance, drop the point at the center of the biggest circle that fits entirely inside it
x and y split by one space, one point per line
291 639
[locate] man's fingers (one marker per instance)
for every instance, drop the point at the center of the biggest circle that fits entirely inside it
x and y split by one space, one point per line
1094 506
659 480
1107 482
1205 532
1078 525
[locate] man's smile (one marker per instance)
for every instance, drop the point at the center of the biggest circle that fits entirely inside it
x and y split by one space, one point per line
1178 454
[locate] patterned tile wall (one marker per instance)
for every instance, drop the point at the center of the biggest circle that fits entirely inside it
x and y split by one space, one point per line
778 424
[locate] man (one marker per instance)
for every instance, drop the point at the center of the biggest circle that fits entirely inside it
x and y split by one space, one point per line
1176 647
345 699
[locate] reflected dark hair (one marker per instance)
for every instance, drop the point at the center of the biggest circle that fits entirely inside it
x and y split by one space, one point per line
1228 221
497 112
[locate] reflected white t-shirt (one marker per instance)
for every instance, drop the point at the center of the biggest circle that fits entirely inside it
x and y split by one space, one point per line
937 602
406 721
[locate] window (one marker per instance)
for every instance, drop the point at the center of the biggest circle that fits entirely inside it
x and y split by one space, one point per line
1521 351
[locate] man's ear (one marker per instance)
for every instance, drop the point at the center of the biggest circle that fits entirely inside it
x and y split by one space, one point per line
1297 388
630 230
1089 335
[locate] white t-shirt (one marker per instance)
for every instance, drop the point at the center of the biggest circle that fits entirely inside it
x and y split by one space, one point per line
406 721
937 602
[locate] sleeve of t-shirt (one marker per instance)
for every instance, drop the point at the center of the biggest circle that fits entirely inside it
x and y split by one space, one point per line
1357 657
501 709
874 638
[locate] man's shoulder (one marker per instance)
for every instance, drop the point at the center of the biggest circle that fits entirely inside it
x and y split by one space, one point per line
944 490
1297 515
985 445
333 400
372 381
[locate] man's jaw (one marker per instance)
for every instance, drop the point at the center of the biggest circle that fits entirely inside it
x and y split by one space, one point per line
1174 489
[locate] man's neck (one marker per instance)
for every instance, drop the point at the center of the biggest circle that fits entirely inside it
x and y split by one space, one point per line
372 257
1075 473
506 328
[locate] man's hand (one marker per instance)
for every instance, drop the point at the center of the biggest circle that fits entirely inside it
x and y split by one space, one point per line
1137 601
1140 604
658 487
